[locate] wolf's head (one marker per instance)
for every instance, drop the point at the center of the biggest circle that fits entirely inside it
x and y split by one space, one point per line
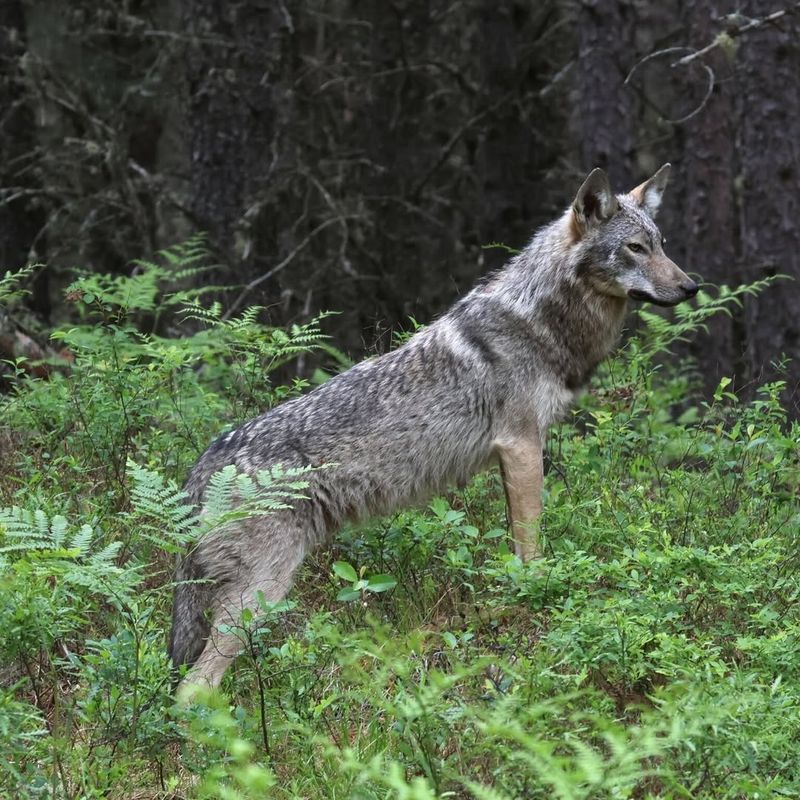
619 248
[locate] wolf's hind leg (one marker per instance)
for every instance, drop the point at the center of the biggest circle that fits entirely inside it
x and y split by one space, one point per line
266 565
220 650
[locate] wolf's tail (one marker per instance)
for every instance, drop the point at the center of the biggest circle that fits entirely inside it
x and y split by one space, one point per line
190 623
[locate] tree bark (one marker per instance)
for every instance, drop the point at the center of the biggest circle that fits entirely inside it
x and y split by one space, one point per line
710 220
604 108
768 66
20 218
521 143
232 66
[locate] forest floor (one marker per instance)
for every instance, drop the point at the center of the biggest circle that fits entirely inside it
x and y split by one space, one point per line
653 652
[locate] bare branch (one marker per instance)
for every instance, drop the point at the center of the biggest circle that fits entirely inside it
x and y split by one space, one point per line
283 264
736 26
735 29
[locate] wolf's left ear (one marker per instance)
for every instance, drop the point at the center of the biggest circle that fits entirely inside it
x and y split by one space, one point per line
648 194
595 202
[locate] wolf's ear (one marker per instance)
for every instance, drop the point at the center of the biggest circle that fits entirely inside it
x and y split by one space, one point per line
648 194
595 202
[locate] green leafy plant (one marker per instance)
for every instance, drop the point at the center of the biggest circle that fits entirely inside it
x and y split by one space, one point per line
11 289
360 582
132 392
652 652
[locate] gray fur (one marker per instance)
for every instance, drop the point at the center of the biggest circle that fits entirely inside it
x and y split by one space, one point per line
502 364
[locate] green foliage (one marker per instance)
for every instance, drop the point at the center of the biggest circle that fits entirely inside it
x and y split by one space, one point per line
360 583
54 578
10 289
663 332
143 292
653 651
224 755
133 392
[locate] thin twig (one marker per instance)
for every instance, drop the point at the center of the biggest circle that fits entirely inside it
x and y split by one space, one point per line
651 56
283 264
735 30
702 104
731 32
709 88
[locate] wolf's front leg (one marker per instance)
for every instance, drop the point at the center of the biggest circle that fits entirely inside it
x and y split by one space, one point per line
523 471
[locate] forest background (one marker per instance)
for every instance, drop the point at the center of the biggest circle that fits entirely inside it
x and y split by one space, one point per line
360 156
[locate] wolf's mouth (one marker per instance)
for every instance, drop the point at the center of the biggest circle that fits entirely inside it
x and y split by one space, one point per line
637 294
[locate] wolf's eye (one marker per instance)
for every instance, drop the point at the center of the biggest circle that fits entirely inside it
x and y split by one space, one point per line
635 247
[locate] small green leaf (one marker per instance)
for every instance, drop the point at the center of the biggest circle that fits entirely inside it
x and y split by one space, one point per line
449 638
348 594
380 583
345 571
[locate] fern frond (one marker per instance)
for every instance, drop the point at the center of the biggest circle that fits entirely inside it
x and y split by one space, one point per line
108 553
81 540
233 496
162 512
10 283
185 253
22 530
41 542
199 313
660 332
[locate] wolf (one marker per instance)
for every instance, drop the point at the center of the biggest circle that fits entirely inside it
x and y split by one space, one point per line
481 384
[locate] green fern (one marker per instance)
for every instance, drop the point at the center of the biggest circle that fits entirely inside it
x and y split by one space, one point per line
47 547
163 515
145 290
10 283
254 345
30 530
161 511
297 339
661 332
233 496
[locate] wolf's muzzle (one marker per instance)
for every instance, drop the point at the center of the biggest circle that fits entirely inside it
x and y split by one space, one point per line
689 289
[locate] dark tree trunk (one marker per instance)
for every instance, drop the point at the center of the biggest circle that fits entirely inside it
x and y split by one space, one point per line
519 144
231 71
20 218
401 150
709 167
604 109
768 66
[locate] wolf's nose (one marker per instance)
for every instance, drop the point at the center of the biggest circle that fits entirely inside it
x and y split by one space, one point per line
691 288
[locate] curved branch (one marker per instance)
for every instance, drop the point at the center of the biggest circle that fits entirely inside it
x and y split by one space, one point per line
283 264
735 27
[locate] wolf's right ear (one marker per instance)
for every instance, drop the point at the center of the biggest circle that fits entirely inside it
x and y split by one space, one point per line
595 202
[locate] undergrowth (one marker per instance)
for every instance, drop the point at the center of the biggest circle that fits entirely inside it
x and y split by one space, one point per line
653 652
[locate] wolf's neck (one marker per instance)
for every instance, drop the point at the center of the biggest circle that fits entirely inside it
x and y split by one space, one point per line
542 286
543 271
